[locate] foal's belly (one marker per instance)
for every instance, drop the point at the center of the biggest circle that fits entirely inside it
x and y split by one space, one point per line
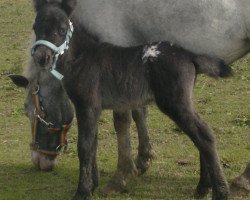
125 100
121 105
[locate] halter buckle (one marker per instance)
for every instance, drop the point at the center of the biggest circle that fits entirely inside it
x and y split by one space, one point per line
36 89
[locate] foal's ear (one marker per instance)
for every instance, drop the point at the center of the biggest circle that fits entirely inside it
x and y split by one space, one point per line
68 6
19 80
38 4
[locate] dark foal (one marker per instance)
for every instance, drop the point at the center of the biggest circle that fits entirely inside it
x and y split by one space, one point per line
50 113
102 76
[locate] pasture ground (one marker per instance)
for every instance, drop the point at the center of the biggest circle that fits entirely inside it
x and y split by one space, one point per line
224 104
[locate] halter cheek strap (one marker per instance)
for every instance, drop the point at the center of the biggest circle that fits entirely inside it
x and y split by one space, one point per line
57 50
59 132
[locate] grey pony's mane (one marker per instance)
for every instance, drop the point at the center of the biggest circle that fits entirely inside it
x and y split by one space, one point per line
31 69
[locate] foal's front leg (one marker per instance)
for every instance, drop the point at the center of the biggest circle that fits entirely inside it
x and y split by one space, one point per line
87 118
125 166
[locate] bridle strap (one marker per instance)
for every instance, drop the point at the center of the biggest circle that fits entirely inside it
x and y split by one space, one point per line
37 102
60 130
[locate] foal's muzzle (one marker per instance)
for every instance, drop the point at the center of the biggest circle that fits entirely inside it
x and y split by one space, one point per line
57 51
43 56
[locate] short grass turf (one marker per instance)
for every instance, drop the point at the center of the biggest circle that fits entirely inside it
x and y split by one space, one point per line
224 104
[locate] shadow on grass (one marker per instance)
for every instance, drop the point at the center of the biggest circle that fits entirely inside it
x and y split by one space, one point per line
23 181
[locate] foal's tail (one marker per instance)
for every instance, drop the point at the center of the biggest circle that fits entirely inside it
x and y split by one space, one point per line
211 66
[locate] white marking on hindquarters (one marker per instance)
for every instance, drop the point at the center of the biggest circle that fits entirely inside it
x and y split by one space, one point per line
150 51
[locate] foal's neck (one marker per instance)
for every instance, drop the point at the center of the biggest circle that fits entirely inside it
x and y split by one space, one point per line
82 40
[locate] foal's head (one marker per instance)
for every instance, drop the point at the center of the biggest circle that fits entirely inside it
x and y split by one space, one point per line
53 31
50 113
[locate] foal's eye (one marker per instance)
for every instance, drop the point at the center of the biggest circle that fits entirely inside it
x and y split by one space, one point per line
62 31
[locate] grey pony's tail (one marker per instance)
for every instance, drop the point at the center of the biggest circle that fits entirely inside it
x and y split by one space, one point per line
213 67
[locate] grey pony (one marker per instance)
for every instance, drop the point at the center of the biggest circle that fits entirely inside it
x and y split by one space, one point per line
219 28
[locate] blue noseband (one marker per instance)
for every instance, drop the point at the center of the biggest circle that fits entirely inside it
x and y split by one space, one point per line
57 50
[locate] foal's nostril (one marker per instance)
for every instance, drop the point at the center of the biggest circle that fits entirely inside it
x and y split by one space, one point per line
42 61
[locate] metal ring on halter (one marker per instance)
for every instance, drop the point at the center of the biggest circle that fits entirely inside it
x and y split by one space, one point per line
37 89
48 124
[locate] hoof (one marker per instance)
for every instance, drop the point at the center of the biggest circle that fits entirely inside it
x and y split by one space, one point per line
82 194
201 192
142 166
114 187
143 162
81 197
220 195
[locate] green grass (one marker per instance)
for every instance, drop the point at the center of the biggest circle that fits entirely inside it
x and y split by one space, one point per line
224 104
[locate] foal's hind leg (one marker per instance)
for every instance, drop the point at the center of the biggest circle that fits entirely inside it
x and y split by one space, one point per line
145 151
126 166
205 180
202 136
172 82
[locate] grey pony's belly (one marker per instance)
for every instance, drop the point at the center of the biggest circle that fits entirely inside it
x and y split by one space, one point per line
214 27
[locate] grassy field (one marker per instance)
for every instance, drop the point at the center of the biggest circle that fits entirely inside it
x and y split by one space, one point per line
224 104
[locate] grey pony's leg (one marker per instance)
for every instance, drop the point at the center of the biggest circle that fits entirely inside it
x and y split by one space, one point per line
145 151
241 184
126 166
